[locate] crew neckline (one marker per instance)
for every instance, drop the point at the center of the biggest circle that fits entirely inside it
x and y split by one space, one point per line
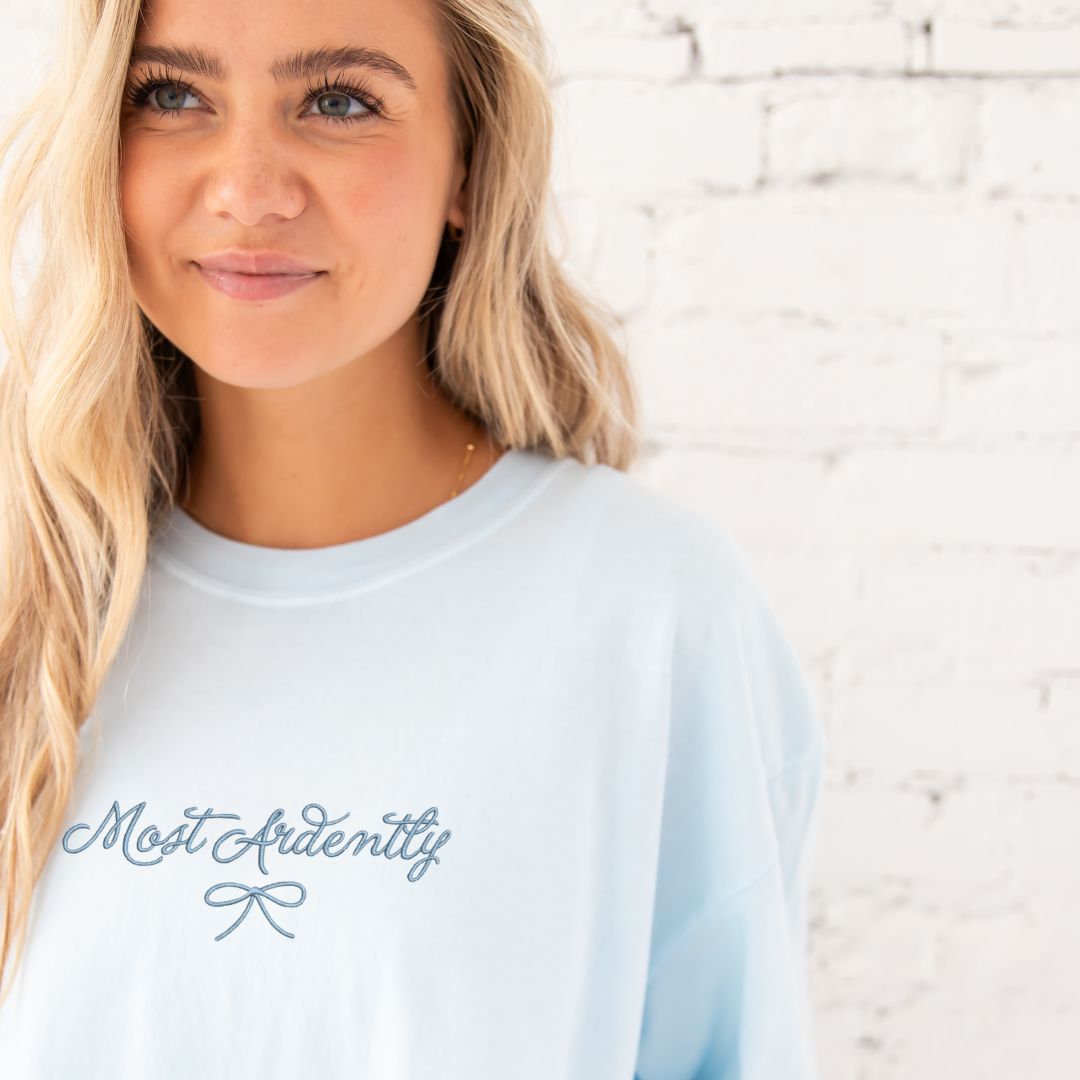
290 575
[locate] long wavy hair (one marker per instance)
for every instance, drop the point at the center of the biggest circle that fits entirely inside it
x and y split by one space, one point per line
98 410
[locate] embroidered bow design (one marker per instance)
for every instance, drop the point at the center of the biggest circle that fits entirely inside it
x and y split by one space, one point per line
254 894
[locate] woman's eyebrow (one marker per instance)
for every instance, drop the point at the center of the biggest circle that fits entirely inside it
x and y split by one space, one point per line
298 65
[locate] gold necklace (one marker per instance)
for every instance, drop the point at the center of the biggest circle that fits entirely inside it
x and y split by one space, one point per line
469 448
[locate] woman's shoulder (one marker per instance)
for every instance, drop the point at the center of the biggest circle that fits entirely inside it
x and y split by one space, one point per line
645 530
732 655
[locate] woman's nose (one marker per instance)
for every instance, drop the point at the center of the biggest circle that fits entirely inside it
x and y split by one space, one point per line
251 174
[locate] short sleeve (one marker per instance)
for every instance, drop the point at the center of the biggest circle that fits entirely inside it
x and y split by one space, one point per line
726 997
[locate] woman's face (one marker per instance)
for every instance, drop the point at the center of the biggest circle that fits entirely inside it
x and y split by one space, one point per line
277 151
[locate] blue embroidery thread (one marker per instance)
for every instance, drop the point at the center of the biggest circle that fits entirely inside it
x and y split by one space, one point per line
254 894
274 833
119 827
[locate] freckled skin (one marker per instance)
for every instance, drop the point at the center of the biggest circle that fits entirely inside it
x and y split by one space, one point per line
247 166
320 423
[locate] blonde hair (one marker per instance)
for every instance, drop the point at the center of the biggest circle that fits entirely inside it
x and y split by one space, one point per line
98 414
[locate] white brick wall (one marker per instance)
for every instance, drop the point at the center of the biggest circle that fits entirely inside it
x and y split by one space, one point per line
845 239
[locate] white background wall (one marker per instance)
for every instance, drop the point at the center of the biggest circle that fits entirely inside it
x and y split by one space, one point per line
844 236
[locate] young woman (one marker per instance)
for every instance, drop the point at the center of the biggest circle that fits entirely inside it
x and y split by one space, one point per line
362 716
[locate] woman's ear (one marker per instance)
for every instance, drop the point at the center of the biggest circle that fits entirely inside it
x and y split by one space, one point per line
455 214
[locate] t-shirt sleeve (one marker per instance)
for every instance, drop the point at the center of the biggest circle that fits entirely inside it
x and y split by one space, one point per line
726 996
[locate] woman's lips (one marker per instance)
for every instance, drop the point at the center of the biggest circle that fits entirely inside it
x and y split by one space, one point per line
256 286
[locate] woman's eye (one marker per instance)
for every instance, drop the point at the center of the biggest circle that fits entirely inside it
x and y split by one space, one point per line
339 106
173 94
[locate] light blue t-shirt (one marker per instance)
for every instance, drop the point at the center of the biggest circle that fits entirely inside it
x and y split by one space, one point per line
525 789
